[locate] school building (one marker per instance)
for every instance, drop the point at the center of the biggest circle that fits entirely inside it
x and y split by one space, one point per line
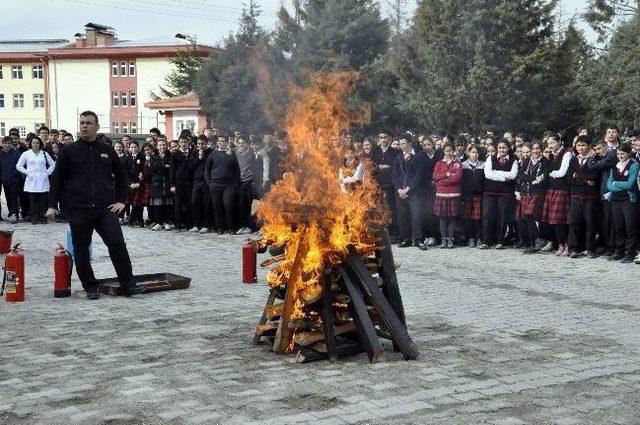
52 81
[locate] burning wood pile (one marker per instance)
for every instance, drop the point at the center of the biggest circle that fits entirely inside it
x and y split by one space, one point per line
334 291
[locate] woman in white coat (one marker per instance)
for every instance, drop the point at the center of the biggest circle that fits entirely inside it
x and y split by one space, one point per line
37 166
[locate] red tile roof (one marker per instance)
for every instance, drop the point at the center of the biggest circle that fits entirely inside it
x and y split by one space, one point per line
187 101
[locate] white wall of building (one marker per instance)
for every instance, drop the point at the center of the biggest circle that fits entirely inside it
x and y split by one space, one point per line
77 85
151 74
24 117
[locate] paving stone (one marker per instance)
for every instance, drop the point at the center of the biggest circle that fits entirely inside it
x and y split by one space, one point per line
517 346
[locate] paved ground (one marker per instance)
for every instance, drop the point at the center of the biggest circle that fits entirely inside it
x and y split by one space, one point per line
503 341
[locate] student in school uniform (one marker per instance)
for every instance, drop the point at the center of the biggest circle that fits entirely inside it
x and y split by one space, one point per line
604 162
138 189
430 222
623 195
447 175
200 195
500 172
181 177
158 170
472 186
585 191
407 177
532 186
555 209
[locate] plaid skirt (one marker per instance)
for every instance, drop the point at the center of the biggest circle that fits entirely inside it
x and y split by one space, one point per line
139 197
472 207
446 207
555 209
529 206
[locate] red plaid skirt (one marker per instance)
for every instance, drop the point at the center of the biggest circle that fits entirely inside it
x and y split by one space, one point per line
529 206
139 197
555 209
472 207
446 207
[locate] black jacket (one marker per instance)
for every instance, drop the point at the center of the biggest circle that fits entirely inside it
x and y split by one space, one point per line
88 175
528 173
158 171
222 168
409 174
181 173
196 165
584 181
135 166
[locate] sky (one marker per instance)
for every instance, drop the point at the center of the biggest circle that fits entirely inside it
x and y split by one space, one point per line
209 20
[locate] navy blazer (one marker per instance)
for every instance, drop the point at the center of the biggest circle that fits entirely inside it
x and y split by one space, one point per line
410 175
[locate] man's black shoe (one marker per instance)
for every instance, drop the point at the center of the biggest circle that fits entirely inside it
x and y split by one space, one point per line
132 290
93 295
617 256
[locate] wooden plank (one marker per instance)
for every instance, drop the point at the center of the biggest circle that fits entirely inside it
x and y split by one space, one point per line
345 349
357 269
364 325
263 320
387 272
284 335
327 321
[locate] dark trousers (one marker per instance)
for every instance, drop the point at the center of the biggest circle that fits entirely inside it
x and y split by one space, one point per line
11 192
447 227
201 205
245 198
625 226
582 230
390 197
83 222
410 218
136 215
473 229
38 204
182 206
224 203
431 222
497 212
528 231
606 231
160 214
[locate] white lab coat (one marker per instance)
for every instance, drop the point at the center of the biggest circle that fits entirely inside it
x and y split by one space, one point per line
35 168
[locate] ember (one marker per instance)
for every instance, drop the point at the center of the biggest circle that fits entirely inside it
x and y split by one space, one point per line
333 270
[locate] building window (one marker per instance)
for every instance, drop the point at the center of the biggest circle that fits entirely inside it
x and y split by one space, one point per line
38 100
123 127
23 131
37 72
123 99
132 69
114 69
16 72
133 127
1 101
18 101
1 77
115 128
132 98
37 126
123 69
3 129
116 99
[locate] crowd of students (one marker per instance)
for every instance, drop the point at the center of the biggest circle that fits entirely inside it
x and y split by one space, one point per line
576 197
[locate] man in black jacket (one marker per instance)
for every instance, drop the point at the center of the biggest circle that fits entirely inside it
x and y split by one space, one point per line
222 174
200 196
181 177
92 186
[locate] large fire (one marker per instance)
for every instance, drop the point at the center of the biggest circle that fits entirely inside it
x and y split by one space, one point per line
307 212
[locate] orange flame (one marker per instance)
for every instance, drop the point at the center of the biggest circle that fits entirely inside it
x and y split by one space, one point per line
307 207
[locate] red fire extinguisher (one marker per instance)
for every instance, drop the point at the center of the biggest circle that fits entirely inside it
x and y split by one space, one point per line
62 269
249 262
13 279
